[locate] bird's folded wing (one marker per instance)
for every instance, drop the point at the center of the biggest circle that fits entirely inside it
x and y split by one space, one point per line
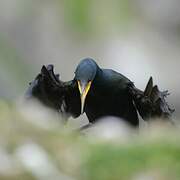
151 103
52 92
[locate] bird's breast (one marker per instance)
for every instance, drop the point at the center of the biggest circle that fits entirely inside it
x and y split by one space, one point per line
102 103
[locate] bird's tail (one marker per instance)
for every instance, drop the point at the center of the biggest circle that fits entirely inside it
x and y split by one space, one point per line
151 103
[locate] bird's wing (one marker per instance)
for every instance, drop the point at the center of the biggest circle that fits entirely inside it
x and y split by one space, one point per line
54 93
151 103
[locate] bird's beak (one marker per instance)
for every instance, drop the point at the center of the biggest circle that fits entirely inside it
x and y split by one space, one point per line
83 89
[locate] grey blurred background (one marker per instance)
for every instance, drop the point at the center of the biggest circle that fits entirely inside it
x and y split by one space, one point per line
139 38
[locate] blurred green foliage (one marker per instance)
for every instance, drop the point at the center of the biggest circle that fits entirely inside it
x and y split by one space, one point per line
84 156
15 72
87 17
77 15
13 63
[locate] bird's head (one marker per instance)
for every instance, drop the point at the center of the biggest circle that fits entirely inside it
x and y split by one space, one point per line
84 75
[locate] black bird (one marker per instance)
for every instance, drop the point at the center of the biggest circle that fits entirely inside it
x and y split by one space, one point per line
104 92
99 92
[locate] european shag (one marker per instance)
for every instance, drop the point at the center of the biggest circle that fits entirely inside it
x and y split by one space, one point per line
99 92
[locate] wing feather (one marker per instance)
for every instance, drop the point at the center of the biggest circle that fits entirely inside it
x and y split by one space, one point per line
61 96
151 103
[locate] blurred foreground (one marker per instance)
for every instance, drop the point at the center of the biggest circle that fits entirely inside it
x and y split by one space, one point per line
35 145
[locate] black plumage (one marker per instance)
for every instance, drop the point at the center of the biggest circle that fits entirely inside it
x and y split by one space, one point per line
60 96
108 94
98 92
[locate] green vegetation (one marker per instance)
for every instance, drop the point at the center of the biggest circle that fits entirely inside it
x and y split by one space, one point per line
31 147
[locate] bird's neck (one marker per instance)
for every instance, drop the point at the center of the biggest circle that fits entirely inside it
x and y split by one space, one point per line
98 80
98 76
